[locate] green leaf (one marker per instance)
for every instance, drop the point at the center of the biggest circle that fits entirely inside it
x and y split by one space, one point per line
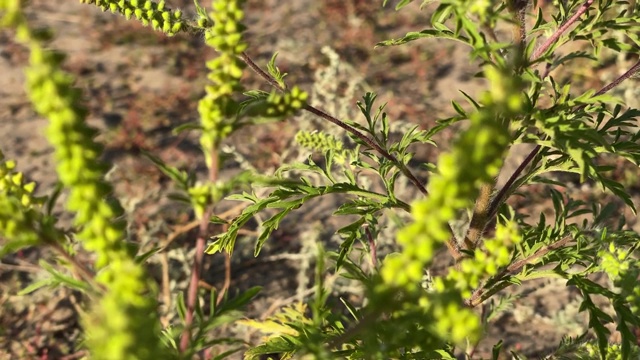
181 307
142 258
185 127
424 34
274 71
239 301
400 4
618 190
181 178
60 278
37 285
53 198
495 350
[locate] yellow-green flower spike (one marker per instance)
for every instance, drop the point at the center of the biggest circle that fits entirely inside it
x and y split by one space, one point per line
217 108
452 189
123 324
148 12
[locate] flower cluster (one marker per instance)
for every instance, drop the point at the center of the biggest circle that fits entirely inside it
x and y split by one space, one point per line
217 107
318 141
12 183
148 12
123 323
202 195
279 105
19 209
483 264
225 35
474 160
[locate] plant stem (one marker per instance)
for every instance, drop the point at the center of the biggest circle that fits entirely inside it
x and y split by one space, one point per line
502 194
196 271
561 30
227 273
479 218
629 73
481 210
373 253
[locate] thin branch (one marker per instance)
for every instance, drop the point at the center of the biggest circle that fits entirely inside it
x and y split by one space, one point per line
22 268
481 294
350 129
263 74
561 30
372 144
629 73
227 274
166 286
497 201
452 245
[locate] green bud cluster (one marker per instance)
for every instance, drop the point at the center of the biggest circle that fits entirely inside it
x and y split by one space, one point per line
217 107
19 209
475 159
279 105
324 143
202 195
450 321
484 264
13 184
17 224
318 141
77 155
225 35
481 8
148 12
123 324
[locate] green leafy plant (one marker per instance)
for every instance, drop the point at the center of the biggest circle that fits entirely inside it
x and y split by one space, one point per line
529 99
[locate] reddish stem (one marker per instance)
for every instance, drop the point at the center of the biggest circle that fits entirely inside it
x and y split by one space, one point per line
196 271
541 50
561 30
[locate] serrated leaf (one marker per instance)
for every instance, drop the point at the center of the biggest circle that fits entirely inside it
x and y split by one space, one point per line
274 71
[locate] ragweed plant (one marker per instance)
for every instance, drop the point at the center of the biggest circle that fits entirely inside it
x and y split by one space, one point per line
529 99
